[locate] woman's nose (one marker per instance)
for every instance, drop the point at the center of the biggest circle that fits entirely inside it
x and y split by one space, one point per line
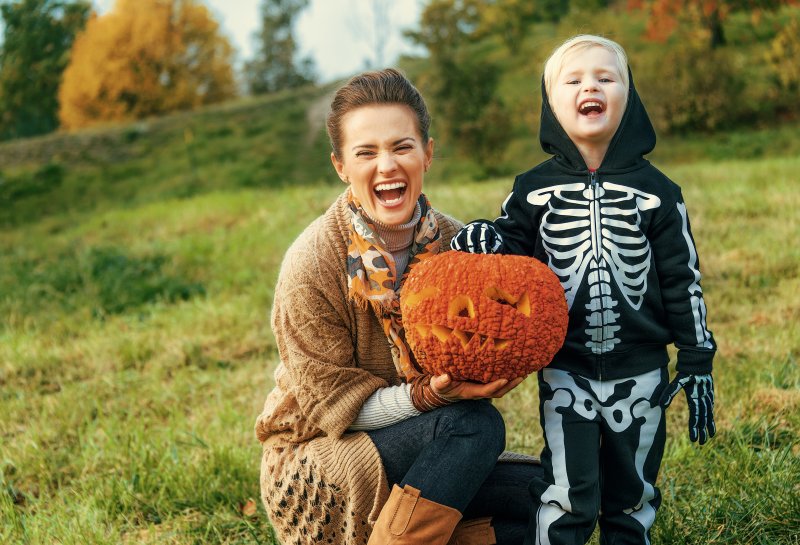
386 163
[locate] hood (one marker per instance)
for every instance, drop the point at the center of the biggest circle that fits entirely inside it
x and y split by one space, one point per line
634 138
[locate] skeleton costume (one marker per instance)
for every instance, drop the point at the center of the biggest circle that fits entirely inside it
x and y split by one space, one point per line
619 240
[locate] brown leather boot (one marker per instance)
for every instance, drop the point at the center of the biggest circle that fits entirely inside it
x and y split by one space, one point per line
408 519
473 532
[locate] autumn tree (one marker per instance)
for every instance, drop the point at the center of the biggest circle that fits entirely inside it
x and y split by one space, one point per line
38 36
145 57
782 57
665 15
275 65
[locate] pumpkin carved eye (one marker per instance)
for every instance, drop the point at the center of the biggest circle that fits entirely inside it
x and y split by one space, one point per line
461 306
414 299
521 303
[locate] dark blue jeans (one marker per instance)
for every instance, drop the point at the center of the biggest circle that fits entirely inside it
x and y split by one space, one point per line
450 455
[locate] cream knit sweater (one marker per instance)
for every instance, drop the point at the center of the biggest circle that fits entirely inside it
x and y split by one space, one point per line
320 483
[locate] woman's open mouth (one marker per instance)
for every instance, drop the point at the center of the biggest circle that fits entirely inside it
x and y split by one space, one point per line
390 193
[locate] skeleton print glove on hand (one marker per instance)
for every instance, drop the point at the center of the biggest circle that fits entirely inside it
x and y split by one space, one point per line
699 390
477 237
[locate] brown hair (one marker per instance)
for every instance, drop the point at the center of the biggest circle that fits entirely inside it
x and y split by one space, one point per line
387 86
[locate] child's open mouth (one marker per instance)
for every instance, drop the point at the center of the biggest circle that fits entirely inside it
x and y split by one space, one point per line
591 107
390 193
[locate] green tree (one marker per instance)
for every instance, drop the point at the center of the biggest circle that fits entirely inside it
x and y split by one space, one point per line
38 37
463 85
511 20
275 66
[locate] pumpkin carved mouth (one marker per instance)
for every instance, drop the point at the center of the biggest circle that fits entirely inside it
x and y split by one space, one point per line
465 337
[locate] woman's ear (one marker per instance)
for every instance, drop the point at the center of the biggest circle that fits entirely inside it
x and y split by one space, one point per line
428 154
339 166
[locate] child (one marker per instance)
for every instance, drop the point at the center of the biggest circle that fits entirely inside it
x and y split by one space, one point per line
615 231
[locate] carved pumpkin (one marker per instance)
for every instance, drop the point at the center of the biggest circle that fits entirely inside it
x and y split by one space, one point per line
482 317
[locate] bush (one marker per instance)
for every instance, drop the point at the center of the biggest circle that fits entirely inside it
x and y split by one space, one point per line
42 180
102 280
689 87
121 282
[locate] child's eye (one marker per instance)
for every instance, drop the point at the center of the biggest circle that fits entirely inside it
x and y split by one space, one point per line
606 80
574 82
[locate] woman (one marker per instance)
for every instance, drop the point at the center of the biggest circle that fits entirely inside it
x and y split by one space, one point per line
351 415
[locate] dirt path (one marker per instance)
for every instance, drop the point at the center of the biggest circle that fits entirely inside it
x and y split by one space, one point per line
316 115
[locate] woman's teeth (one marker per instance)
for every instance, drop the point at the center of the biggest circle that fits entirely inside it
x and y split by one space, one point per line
390 193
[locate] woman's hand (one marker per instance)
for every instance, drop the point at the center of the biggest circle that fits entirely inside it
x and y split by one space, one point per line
461 389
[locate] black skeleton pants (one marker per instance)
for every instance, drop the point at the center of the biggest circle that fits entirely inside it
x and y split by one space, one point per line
603 446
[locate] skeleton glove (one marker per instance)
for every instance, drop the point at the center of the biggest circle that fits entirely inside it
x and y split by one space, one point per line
477 237
699 390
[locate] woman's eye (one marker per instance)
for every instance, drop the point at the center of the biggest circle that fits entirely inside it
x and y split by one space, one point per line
404 148
364 153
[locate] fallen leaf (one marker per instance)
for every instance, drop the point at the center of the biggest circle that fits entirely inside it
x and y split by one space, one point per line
249 508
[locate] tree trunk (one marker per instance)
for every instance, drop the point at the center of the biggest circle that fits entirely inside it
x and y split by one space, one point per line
717 32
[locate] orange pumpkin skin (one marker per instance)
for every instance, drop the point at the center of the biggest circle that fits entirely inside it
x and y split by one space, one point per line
482 317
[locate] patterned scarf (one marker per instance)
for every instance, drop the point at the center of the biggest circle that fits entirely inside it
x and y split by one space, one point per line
371 274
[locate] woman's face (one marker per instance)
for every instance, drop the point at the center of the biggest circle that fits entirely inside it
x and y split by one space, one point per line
384 160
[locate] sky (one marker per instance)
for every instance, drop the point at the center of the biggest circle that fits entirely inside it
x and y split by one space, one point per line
337 34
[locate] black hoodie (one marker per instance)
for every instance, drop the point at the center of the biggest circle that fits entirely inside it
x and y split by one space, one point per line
620 243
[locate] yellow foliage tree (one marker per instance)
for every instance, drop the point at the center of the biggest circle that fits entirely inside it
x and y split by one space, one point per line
145 57
783 54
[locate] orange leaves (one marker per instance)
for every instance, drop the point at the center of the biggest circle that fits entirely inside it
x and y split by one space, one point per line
145 57
483 317
666 15
249 508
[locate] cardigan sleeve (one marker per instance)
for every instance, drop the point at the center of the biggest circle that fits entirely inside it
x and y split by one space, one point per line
312 327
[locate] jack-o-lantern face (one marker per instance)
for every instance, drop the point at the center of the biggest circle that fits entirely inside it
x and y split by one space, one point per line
482 317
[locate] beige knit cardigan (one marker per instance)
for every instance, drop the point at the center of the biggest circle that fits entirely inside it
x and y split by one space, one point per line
320 483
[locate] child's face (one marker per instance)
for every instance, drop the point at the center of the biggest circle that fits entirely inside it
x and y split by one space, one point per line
588 97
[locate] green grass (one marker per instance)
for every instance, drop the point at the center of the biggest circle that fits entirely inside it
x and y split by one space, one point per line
128 406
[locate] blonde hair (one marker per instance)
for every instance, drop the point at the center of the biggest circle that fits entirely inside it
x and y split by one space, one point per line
577 44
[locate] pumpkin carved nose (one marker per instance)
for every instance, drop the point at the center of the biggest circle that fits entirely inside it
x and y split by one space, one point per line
461 306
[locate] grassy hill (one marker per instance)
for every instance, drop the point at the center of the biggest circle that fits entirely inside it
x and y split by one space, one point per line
137 264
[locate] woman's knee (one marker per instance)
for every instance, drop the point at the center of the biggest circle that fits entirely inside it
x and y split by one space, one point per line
478 419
